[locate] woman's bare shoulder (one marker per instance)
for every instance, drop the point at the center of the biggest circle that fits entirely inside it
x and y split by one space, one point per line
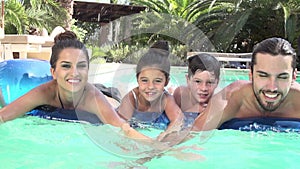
46 88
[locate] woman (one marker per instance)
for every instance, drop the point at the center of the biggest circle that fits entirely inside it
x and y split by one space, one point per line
69 89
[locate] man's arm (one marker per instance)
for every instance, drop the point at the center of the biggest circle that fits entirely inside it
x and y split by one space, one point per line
222 107
210 118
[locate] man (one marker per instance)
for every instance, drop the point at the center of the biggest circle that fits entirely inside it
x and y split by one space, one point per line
271 93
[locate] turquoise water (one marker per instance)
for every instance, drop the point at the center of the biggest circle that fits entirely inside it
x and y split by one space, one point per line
38 143
31 142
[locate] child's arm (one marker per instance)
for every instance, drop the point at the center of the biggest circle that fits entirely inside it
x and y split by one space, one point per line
126 108
176 118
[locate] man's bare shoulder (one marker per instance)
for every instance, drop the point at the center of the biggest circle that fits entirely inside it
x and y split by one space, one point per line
295 86
294 92
238 84
237 87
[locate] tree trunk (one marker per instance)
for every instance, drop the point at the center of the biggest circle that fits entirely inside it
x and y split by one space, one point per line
68 5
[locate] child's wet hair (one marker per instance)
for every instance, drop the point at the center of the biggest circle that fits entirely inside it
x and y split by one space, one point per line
67 39
202 62
156 57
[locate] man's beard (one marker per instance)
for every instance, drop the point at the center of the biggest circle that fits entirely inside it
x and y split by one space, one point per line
271 106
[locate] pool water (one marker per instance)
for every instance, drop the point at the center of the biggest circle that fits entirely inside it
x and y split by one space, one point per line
31 142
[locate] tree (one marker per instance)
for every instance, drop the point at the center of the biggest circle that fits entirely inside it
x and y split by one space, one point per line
232 25
236 23
291 10
169 20
171 7
68 6
20 15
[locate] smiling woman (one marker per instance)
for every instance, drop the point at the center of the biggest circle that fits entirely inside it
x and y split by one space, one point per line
69 89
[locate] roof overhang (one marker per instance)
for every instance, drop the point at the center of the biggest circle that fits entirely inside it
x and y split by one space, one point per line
102 12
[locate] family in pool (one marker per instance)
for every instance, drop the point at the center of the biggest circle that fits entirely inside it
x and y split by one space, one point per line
269 98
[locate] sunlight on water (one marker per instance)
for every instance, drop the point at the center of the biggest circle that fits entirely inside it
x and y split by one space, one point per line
117 143
32 142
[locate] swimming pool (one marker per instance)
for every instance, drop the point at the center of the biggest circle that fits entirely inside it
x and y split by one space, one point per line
31 142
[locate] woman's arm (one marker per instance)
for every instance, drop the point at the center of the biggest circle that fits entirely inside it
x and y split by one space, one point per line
108 115
2 102
25 103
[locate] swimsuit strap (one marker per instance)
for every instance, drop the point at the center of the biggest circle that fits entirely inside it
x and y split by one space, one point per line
61 104
135 98
165 92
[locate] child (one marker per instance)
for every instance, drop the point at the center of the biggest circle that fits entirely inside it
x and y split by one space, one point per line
202 80
150 103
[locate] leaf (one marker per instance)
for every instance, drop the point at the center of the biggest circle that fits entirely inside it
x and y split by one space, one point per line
229 29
